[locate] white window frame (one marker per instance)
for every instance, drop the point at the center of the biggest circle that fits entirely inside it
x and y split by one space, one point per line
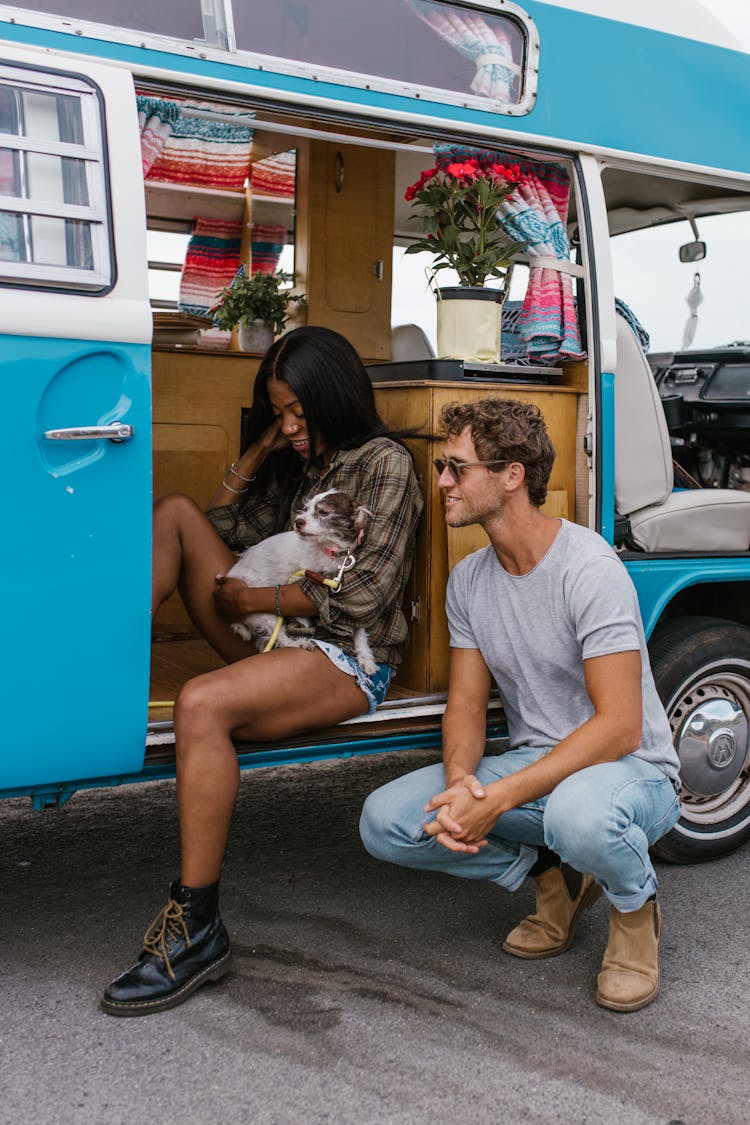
217 15
92 154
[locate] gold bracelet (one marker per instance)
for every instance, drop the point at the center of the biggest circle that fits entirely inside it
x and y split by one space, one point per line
236 491
247 480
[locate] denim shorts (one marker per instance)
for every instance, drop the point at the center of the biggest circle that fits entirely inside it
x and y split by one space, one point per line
374 687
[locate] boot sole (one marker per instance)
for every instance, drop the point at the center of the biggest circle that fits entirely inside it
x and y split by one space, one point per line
634 1006
592 894
212 972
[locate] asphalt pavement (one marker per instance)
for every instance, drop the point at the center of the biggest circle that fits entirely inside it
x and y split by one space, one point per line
359 992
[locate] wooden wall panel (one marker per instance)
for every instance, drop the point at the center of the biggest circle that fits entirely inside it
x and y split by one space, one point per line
197 402
425 667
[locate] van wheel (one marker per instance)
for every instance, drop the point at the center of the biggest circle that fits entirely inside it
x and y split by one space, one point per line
701 667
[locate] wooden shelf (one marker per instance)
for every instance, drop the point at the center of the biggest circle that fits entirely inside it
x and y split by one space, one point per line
183 201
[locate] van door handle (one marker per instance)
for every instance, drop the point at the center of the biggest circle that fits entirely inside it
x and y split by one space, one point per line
116 431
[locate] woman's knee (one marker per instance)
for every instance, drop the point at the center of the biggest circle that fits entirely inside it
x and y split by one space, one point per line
202 703
173 508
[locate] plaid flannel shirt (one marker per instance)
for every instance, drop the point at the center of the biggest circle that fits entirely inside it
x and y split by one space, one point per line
379 475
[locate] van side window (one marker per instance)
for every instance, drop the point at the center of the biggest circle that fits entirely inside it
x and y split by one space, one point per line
54 223
465 49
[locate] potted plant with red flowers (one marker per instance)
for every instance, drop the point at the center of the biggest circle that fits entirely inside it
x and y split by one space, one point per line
458 206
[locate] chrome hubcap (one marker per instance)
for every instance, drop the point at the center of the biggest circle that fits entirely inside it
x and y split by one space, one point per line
710 738
711 732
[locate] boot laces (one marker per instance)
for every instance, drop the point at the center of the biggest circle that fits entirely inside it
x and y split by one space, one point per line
165 931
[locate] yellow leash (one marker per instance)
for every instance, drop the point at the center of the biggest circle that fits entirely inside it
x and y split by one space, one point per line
332 583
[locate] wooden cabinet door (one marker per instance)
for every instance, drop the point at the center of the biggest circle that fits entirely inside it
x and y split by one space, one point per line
350 236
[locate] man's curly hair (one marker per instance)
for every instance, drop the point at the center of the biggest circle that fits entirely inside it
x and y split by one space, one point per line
505 429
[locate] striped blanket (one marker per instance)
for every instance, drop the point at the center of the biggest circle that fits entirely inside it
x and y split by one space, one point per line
211 261
275 176
204 153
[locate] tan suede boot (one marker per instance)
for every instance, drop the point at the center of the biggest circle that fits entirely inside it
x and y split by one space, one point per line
551 929
629 979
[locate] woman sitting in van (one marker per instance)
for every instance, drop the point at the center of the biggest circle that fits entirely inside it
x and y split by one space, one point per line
314 427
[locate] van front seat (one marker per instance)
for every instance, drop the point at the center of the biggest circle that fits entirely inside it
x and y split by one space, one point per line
705 519
408 341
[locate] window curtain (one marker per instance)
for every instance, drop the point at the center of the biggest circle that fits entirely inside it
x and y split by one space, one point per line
537 213
204 153
274 175
266 243
211 261
489 47
11 225
156 118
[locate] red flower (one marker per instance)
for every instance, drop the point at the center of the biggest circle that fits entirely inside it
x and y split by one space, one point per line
468 170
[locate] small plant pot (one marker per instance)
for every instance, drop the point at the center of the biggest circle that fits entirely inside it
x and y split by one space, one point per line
255 336
468 323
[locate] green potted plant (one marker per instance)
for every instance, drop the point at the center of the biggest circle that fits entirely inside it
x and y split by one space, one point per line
459 209
260 305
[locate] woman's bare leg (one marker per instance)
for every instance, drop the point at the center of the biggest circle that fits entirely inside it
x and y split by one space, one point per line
188 553
271 695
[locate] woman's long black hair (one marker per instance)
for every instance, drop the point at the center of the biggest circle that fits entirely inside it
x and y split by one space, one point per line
333 390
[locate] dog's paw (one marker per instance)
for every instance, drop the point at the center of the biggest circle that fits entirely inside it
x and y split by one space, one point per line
363 652
242 631
296 642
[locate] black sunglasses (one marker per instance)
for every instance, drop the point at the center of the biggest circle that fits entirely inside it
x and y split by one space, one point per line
458 468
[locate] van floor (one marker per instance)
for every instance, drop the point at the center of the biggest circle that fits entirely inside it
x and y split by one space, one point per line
174 662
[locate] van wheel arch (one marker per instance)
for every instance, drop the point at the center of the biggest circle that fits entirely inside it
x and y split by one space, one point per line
701 668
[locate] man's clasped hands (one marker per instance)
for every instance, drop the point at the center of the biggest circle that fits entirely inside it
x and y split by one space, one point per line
466 811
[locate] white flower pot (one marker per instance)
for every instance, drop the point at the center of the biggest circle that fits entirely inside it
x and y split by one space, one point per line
255 336
468 323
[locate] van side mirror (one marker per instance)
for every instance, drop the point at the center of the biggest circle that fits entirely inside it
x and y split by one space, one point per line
692 252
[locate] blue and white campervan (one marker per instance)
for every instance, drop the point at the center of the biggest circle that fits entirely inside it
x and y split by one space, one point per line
144 157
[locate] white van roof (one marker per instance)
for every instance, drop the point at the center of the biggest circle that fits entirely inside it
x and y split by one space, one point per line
725 23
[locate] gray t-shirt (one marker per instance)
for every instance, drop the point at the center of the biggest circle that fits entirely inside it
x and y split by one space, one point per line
535 630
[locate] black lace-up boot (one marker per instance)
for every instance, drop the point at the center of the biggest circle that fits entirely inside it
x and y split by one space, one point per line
185 946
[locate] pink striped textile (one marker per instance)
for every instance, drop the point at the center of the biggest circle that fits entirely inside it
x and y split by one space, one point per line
204 153
274 176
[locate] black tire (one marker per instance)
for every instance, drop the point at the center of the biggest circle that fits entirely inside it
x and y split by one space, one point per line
701 668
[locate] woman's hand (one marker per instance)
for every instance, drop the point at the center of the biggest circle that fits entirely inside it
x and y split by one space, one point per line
272 439
231 598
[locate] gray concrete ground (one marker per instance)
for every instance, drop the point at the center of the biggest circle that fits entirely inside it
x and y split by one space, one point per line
360 993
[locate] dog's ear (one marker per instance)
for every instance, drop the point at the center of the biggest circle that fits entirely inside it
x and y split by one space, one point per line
361 515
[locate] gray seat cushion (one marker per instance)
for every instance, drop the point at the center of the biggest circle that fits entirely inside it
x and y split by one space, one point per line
704 519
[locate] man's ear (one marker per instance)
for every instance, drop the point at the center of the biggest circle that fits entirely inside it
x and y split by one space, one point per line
515 476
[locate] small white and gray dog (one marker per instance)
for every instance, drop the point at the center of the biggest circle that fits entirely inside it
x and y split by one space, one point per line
326 530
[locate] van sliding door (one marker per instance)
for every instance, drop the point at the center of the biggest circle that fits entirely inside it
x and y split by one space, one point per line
75 330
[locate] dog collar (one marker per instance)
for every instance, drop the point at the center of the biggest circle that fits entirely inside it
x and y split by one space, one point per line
338 554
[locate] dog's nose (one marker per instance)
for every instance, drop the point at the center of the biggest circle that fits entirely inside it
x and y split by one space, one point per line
299 523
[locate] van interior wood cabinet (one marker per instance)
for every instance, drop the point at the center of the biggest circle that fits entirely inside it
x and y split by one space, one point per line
344 242
417 405
198 398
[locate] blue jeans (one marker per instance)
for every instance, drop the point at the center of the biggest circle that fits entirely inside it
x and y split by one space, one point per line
599 820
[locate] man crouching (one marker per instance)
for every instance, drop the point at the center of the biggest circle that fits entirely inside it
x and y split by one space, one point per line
590 780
